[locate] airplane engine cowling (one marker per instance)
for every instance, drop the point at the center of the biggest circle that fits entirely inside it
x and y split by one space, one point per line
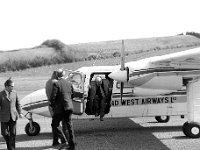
159 82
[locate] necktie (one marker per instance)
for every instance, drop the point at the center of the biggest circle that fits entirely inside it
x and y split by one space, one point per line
9 95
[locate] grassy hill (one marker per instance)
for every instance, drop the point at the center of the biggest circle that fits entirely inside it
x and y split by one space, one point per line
55 52
140 44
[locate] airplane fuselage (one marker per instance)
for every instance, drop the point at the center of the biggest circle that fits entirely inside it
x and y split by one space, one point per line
136 101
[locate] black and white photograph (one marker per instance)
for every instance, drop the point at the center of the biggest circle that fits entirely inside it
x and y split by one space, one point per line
99 75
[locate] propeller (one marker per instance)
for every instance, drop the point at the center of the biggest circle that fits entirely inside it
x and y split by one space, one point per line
122 68
121 75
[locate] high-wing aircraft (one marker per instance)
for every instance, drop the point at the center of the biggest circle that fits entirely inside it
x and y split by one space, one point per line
159 86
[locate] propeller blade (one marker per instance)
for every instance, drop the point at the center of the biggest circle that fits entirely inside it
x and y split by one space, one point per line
122 68
122 57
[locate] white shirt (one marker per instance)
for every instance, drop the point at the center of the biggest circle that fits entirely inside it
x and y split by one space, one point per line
7 93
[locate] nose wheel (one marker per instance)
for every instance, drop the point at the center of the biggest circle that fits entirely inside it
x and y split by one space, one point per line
32 128
162 119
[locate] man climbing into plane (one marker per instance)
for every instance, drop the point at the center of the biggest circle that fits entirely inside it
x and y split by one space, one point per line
49 89
61 103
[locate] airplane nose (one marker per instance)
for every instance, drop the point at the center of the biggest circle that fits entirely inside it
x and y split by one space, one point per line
119 75
25 101
34 98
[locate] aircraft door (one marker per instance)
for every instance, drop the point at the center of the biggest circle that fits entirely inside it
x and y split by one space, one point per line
107 87
77 80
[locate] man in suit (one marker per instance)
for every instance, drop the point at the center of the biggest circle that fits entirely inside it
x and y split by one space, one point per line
10 110
48 89
61 102
97 96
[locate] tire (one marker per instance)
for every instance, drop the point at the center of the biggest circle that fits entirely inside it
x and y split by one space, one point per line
184 128
192 130
162 119
34 131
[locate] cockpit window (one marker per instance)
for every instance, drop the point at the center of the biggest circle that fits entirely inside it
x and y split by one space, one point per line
75 78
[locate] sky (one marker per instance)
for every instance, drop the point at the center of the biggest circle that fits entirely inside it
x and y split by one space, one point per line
28 23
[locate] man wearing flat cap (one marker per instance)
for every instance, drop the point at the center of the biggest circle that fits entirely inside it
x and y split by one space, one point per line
61 103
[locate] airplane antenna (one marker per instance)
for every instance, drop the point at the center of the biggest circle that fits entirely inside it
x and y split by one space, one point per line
98 54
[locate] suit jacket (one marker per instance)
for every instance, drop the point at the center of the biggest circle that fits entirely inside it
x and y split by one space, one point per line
48 89
107 86
93 91
9 107
61 96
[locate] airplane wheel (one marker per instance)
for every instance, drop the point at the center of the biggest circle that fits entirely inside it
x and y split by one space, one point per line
162 119
192 129
35 130
184 128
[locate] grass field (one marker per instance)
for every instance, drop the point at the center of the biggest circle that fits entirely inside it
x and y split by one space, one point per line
27 54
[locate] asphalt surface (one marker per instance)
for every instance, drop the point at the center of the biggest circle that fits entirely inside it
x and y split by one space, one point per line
111 134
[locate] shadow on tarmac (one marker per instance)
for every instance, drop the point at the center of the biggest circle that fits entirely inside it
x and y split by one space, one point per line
118 134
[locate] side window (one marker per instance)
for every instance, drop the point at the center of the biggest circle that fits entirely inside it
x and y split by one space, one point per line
75 78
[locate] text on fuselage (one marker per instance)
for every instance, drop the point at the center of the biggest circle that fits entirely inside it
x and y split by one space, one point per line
143 101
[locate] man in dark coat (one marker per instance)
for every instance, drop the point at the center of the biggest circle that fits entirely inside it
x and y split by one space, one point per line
61 103
97 96
49 89
10 110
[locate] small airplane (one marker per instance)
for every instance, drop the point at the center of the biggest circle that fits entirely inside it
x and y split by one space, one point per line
159 86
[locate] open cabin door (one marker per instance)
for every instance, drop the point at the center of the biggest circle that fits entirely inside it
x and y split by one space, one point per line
77 80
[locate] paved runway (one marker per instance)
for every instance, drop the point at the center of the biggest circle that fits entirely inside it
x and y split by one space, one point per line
112 134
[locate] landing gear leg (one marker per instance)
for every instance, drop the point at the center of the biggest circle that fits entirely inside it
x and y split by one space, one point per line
32 128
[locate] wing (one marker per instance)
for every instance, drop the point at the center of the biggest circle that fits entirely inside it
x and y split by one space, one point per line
162 72
167 71
188 59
